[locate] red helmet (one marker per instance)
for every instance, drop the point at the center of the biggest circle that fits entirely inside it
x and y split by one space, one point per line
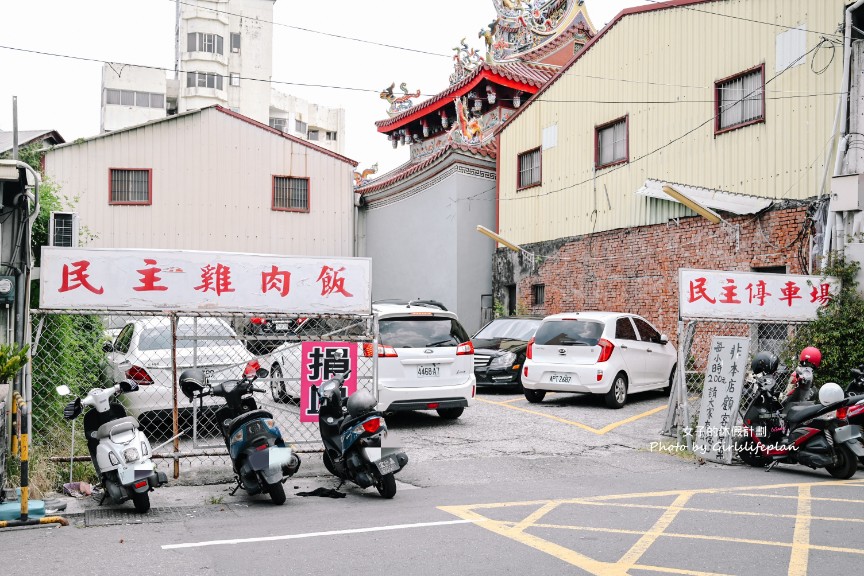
811 355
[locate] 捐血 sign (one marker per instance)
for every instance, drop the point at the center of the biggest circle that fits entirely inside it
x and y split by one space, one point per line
724 380
752 295
320 361
182 280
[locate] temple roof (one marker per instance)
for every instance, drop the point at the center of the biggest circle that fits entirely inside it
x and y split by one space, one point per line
408 169
514 74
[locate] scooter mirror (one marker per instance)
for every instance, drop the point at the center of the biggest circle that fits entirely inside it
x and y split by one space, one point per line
72 410
128 386
63 390
262 373
108 347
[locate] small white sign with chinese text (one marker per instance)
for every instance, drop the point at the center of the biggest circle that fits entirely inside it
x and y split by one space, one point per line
185 280
721 394
752 295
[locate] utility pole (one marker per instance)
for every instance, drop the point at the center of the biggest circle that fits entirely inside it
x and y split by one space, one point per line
177 40
14 128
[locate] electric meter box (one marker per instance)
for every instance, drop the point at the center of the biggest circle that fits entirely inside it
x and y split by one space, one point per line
847 193
7 289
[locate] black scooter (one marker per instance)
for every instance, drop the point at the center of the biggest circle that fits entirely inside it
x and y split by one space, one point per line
262 461
351 430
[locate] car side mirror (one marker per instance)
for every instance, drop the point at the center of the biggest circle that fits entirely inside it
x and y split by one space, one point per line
664 339
127 386
108 347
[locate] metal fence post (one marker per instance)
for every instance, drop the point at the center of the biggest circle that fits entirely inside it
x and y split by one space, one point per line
174 412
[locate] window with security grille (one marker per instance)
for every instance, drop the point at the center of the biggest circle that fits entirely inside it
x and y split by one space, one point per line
611 143
131 186
529 168
740 100
279 123
538 292
290 194
203 80
62 224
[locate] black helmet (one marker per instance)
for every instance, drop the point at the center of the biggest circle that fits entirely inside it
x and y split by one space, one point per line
360 403
192 380
764 363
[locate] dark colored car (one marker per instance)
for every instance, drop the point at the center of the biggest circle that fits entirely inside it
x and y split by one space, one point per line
499 349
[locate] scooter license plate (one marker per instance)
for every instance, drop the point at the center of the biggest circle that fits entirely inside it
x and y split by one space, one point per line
387 465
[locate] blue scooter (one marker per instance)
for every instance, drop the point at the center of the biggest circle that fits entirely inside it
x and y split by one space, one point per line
262 461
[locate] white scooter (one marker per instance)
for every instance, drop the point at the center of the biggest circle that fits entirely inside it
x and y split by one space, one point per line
120 452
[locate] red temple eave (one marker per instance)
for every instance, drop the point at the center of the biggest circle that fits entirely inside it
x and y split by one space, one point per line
445 98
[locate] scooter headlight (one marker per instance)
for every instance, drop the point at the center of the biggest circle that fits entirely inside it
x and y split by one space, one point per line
237 437
130 454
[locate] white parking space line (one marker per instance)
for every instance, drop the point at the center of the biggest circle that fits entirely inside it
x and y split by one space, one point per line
313 534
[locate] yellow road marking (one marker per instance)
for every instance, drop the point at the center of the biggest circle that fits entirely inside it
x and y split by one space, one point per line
801 537
587 428
799 547
648 538
506 401
843 500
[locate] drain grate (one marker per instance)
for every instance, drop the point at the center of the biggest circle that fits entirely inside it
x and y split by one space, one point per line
119 516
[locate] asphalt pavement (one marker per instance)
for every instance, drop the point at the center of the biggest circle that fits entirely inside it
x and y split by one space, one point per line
566 486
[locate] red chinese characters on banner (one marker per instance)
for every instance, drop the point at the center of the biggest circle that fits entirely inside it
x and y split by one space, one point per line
821 294
278 280
757 293
331 281
149 278
697 291
77 277
216 279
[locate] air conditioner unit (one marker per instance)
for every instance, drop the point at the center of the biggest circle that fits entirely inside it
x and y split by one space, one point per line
63 229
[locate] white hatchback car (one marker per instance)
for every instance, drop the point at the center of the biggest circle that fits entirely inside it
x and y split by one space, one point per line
607 353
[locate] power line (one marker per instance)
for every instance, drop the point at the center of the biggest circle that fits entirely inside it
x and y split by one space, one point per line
751 20
311 31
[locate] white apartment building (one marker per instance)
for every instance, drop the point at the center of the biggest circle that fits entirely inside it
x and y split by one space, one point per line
225 58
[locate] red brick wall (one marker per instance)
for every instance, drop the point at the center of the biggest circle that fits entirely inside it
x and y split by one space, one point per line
636 269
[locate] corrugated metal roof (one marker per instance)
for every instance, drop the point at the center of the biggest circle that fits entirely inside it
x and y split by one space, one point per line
27 136
715 199
227 113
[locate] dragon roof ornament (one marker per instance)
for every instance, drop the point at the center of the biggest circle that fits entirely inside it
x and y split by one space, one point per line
398 104
524 25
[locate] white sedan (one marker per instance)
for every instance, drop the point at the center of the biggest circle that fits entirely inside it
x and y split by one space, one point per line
142 353
607 353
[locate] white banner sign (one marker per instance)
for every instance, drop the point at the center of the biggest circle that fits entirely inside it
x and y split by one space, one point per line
752 295
724 380
203 281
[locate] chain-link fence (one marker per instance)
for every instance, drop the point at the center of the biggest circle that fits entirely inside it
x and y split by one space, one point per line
87 350
694 342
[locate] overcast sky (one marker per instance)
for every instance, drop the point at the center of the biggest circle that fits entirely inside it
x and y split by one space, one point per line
64 94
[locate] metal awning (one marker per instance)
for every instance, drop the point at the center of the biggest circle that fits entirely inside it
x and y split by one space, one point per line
714 199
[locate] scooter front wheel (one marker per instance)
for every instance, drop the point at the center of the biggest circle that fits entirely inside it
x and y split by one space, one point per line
141 501
386 486
277 493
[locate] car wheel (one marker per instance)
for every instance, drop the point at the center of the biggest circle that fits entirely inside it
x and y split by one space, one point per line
668 388
450 413
277 385
616 397
534 396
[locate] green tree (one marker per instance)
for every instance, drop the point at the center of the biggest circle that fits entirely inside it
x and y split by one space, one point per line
837 329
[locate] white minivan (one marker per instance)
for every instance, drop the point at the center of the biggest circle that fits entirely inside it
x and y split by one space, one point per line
425 360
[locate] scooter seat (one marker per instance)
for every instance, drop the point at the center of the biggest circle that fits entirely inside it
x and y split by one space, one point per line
119 425
797 414
248 416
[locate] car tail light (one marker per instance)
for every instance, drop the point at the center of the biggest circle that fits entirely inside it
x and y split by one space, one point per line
473 390
599 375
606 348
139 375
465 349
383 351
842 412
252 368
372 425
258 321
432 406
529 352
